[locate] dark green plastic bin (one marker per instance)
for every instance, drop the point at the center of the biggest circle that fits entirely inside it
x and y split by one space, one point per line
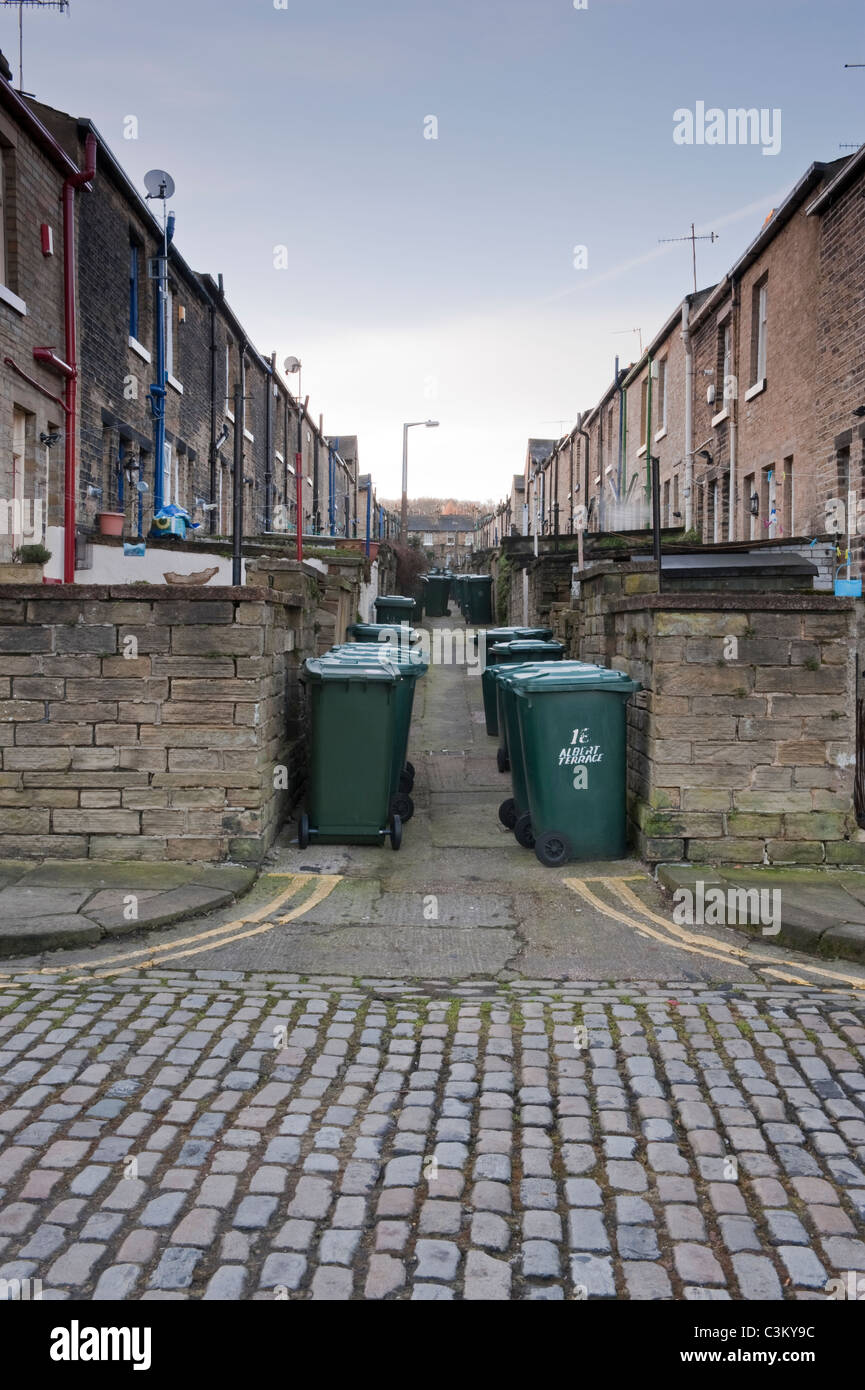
350 777
573 738
410 668
394 608
508 653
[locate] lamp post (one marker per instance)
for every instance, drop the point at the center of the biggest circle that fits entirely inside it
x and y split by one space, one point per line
403 517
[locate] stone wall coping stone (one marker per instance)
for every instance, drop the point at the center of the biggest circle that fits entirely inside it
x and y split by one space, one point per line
734 600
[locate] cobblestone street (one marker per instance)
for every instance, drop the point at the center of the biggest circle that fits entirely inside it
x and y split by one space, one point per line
220 1136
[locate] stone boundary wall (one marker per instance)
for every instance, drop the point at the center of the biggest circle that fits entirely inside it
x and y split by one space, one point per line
742 745
142 722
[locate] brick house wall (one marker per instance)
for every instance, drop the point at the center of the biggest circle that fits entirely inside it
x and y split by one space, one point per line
840 368
31 315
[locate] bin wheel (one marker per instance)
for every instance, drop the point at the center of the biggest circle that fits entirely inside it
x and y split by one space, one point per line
410 768
553 849
303 830
402 805
395 832
503 762
508 813
406 781
523 832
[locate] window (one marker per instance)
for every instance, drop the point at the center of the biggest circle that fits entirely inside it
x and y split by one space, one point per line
644 408
726 356
428 538
674 515
166 474
662 394
134 252
169 332
758 332
751 522
3 259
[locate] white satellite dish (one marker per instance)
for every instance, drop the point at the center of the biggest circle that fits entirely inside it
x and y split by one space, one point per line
292 365
159 184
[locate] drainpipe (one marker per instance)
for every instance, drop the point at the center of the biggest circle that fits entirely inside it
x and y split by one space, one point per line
734 410
649 436
689 414
269 368
580 430
212 454
623 413
70 186
315 485
602 504
237 500
571 483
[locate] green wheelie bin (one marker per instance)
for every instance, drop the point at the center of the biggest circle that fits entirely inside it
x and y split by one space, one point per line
392 634
350 777
514 810
486 637
573 736
479 595
394 608
410 669
437 595
509 653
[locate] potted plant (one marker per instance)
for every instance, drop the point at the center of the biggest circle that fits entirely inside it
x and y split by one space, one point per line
111 523
26 566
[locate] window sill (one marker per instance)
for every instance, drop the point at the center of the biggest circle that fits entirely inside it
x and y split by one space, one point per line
247 434
174 383
641 451
720 417
139 349
229 415
662 434
13 300
755 389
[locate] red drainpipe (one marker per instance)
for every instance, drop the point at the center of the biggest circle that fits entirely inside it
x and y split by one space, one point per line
71 185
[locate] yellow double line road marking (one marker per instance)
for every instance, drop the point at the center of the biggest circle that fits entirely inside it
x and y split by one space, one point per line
675 935
214 937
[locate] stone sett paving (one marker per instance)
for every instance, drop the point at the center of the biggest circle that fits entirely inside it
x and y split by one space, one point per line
223 1136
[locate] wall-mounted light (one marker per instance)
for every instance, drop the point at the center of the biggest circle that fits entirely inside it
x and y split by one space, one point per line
704 454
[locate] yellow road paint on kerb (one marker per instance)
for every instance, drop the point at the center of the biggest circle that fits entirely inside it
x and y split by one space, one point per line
580 886
695 944
298 883
752 954
326 885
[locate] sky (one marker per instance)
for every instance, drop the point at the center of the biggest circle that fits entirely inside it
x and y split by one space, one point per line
441 277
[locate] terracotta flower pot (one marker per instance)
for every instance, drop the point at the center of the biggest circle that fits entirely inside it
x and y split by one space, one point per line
110 523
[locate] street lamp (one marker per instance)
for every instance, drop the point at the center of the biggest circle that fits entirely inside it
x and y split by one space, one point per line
403 517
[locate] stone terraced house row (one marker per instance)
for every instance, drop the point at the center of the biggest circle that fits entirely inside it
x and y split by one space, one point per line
747 395
106 282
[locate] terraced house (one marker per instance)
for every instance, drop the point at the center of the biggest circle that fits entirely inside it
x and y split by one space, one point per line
79 320
750 395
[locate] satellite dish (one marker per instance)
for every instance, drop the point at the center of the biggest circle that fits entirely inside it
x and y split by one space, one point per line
292 365
159 184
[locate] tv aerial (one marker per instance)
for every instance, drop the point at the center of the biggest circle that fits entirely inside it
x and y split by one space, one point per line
61 5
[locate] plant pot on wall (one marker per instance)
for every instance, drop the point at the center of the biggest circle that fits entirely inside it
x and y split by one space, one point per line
111 523
20 574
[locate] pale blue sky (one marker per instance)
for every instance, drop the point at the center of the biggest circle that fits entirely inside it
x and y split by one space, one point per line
435 277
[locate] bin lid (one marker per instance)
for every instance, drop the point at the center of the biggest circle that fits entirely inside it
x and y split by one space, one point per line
516 634
407 662
554 676
326 668
528 645
370 631
395 600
